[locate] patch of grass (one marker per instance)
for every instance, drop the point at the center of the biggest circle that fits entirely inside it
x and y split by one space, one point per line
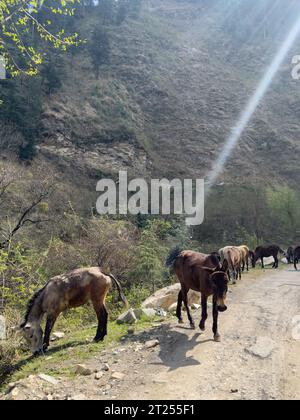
76 347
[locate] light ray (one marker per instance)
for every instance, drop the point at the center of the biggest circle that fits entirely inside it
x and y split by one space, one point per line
252 105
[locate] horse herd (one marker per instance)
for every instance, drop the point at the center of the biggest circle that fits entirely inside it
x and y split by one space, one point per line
208 274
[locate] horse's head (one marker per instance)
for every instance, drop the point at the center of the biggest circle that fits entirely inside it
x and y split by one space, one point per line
219 283
33 334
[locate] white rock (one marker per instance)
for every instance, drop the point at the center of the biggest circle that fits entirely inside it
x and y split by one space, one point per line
58 336
48 379
118 376
2 328
164 298
147 312
195 306
127 318
263 348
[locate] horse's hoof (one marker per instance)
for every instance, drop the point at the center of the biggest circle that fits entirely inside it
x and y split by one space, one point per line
217 338
202 328
193 327
98 340
180 321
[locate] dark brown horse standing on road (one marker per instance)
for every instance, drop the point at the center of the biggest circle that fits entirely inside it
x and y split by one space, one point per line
262 252
71 290
201 273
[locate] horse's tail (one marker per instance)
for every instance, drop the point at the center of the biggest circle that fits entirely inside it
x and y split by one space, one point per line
172 257
121 294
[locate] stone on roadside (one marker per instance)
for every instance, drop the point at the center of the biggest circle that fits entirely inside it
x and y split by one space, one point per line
57 336
83 370
16 395
147 312
195 306
98 376
127 318
118 376
49 379
263 348
151 344
106 367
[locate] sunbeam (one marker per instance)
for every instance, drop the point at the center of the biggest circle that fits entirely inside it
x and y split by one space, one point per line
251 107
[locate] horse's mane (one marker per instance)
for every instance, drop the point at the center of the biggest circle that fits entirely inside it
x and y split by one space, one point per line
31 305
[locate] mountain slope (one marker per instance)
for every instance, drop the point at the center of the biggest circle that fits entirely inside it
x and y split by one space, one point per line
176 82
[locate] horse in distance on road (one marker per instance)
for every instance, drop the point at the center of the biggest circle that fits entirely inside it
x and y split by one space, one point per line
262 252
233 256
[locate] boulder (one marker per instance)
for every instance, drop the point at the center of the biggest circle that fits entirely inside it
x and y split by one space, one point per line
164 298
2 328
127 317
147 312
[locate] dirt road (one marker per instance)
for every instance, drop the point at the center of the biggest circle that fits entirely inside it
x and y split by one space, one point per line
192 366
258 358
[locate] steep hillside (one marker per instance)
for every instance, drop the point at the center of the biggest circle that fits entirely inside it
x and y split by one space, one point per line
176 81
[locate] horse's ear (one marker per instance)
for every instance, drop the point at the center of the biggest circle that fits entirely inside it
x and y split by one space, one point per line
225 266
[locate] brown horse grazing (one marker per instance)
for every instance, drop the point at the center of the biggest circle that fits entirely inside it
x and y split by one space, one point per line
233 256
245 254
63 292
296 256
201 273
262 252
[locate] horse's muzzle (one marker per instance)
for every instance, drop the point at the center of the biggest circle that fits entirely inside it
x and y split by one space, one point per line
222 308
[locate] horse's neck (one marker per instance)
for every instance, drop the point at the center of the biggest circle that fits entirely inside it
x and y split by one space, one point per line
36 313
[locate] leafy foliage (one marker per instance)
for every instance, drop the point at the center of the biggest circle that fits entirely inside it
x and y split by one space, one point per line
24 23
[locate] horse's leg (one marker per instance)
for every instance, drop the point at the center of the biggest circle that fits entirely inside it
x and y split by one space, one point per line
295 263
102 316
217 336
247 263
204 312
186 304
276 261
243 266
51 319
262 262
179 306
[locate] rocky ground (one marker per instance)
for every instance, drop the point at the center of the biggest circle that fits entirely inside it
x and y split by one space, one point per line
258 357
